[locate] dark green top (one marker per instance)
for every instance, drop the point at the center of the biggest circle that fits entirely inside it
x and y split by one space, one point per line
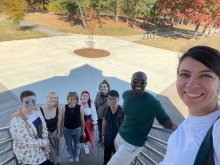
140 112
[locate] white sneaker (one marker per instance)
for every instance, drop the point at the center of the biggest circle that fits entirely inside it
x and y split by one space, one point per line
86 149
71 160
77 159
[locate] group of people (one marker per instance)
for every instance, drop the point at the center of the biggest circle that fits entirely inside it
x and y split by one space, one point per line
123 129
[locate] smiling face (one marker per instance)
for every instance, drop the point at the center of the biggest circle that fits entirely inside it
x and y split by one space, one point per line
72 101
52 99
113 103
29 103
198 87
138 83
85 98
104 88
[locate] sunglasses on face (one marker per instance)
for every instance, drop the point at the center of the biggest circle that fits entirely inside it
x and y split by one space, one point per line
142 82
30 101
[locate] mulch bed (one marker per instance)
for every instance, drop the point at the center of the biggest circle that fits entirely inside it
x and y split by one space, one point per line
92 53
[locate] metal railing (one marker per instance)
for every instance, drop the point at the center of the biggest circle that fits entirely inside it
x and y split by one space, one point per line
154 148
153 145
6 155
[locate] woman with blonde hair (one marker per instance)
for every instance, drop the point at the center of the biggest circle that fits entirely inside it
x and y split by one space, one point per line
53 112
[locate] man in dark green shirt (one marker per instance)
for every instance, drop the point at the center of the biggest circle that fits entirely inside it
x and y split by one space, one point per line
140 109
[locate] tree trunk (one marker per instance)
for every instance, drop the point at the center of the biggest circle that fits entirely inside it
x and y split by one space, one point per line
154 13
204 30
127 18
42 3
135 18
135 14
127 11
172 21
116 11
181 22
210 28
82 16
99 13
196 31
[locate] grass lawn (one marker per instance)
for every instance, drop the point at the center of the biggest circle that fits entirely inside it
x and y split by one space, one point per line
108 28
9 32
181 44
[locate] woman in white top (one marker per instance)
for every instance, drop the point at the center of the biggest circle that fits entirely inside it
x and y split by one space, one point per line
198 85
90 117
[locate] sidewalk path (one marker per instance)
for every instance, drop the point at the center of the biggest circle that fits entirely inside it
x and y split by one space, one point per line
49 31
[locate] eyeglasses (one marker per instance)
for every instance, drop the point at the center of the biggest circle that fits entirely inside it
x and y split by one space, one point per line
30 101
142 82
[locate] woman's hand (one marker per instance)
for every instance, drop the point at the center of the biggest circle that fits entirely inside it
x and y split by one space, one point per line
84 135
103 139
46 149
94 127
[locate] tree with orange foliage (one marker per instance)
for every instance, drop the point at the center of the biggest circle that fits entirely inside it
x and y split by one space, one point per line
15 9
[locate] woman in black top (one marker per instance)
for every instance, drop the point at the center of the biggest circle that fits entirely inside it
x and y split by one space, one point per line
53 113
73 126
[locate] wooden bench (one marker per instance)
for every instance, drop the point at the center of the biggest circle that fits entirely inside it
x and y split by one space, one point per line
150 34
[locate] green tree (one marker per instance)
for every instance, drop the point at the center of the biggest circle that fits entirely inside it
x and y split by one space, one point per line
15 9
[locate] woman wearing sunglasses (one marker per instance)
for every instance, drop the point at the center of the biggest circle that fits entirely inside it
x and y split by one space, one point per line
29 132
196 141
53 113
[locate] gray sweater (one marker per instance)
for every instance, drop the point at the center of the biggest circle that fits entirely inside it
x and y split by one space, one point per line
100 104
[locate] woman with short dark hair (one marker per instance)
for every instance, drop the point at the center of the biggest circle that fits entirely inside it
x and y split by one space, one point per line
73 126
196 141
29 132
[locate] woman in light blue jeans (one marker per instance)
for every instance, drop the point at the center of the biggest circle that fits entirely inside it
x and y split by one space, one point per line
73 126
72 137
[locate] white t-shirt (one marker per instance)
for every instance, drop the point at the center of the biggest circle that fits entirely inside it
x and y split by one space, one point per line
34 119
184 143
90 111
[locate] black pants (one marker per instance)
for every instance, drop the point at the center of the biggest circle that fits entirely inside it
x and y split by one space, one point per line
100 129
108 152
47 162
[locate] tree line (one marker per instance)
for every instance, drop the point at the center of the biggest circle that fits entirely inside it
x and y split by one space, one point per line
159 12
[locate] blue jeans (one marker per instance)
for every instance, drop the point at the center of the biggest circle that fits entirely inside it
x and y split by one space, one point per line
72 136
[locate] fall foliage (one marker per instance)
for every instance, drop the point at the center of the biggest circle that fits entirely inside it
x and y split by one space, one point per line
15 9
